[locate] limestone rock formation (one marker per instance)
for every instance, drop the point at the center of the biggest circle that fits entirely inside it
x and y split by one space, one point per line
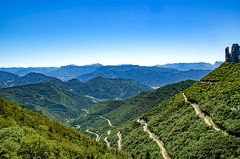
234 56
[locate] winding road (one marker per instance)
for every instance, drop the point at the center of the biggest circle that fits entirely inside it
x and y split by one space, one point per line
109 122
106 140
119 134
97 136
154 137
208 120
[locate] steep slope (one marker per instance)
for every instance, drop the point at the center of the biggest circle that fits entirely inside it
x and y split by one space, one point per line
150 76
145 102
212 131
47 99
24 134
218 95
121 111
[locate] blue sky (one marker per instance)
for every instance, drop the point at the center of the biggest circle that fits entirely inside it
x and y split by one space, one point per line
111 32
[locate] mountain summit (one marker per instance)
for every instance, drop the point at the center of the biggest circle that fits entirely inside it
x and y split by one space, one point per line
234 56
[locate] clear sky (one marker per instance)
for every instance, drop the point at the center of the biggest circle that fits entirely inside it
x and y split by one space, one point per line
111 32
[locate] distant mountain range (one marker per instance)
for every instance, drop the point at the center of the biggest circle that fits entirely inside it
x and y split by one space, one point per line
98 87
9 79
68 72
64 73
189 66
150 76
71 71
22 71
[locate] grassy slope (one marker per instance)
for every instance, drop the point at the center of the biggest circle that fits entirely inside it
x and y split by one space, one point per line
25 134
183 133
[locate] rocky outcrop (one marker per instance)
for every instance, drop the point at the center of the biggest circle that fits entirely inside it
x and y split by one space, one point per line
234 56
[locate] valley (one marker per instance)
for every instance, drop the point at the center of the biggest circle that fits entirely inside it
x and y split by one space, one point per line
25 134
120 111
179 120
176 121
119 79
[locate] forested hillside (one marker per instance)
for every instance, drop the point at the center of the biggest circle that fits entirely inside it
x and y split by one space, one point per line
47 99
121 111
24 134
7 79
65 101
99 87
202 122
105 88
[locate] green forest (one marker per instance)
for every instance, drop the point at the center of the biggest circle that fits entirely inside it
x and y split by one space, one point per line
26 135
185 134
169 113
121 111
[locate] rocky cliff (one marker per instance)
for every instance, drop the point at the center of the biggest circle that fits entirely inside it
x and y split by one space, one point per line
234 56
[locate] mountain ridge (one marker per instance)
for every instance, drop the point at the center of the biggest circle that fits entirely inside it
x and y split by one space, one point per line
150 76
184 133
68 72
189 66
64 101
47 99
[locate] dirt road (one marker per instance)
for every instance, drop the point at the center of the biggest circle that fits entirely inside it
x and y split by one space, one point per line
155 138
208 120
97 136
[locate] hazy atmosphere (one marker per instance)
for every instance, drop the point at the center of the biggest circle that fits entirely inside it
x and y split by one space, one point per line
112 32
